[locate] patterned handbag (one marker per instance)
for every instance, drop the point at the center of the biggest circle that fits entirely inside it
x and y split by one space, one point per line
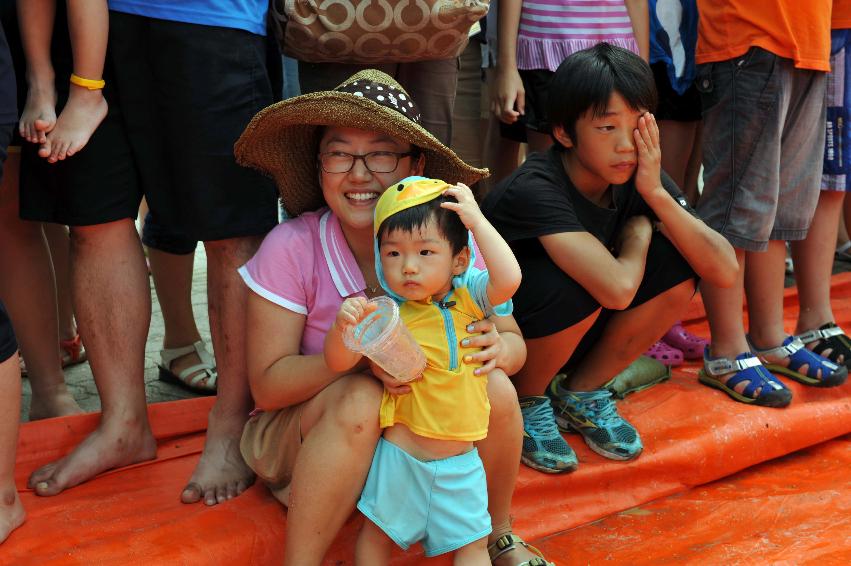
374 31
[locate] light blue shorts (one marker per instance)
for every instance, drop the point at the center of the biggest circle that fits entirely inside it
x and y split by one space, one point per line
442 503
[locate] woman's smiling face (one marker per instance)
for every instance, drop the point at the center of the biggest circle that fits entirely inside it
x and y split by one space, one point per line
352 195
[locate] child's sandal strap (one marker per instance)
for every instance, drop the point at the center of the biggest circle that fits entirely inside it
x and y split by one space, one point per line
90 84
781 352
829 337
720 366
509 542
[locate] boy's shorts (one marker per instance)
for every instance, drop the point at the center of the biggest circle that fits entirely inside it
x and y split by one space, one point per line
269 445
837 144
550 301
674 106
442 503
536 83
179 96
763 141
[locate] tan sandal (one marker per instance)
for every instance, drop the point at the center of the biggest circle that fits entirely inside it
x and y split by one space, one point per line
206 370
509 542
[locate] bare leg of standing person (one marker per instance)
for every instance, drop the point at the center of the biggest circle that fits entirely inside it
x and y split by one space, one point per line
221 473
29 291
113 304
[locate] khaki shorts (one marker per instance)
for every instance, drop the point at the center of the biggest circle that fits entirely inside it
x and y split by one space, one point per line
270 443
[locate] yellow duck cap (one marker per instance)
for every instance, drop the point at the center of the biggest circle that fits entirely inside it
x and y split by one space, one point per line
407 193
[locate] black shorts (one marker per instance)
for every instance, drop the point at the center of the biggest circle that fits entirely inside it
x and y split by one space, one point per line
672 105
8 345
536 83
549 301
179 96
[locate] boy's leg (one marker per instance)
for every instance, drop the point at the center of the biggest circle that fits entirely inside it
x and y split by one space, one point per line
36 19
88 25
473 554
373 545
813 259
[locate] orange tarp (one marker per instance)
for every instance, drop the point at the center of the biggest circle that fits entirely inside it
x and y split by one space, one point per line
692 435
793 510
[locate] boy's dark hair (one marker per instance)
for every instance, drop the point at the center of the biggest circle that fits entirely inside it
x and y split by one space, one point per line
586 79
448 222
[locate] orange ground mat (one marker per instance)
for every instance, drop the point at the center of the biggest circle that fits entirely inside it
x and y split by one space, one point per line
692 434
793 510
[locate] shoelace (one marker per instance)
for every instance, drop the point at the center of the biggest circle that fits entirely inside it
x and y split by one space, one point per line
601 407
539 421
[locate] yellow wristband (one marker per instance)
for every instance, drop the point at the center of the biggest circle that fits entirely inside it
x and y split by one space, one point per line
87 83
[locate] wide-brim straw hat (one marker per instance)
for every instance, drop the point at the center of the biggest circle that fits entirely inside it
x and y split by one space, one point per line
282 140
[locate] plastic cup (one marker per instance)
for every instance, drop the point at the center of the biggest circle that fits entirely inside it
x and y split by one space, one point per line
384 338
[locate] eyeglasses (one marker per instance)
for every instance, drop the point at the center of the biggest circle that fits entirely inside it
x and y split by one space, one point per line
375 161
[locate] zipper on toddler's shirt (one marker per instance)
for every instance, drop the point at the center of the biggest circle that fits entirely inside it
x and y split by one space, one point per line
451 339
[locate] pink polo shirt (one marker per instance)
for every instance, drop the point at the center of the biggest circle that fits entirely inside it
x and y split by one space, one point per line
305 265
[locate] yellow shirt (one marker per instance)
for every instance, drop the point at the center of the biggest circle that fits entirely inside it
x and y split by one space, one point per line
450 402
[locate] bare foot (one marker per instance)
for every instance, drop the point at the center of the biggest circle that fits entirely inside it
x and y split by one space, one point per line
12 512
58 404
111 445
79 119
221 473
39 115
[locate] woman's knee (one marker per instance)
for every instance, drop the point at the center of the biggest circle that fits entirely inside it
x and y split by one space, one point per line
357 405
503 398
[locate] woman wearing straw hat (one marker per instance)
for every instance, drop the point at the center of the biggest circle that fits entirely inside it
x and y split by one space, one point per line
331 154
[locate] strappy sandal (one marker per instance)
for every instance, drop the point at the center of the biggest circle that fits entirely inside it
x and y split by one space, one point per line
71 352
748 369
689 344
821 372
206 370
832 338
509 542
665 354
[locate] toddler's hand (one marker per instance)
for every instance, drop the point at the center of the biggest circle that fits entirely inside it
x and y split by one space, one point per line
466 206
352 311
648 177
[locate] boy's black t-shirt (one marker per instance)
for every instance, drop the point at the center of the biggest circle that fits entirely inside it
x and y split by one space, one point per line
539 199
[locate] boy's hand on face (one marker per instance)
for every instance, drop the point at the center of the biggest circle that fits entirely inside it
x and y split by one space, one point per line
466 206
352 311
648 178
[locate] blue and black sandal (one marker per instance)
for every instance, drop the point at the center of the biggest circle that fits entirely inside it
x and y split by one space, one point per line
829 337
820 372
762 387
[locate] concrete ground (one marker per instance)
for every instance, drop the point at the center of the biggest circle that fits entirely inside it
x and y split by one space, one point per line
79 377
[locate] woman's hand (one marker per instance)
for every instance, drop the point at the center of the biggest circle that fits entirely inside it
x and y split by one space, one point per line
391 384
490 343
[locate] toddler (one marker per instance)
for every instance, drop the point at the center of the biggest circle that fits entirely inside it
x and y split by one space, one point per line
426 482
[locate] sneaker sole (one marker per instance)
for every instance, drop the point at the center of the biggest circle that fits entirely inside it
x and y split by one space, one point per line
565 426
544 469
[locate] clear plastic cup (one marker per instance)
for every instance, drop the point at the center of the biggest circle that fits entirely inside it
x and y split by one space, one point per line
384 338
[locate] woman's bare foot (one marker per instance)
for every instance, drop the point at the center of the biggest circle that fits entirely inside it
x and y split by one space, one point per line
221 474
79 119
56 404
120 442
39 115
12 514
